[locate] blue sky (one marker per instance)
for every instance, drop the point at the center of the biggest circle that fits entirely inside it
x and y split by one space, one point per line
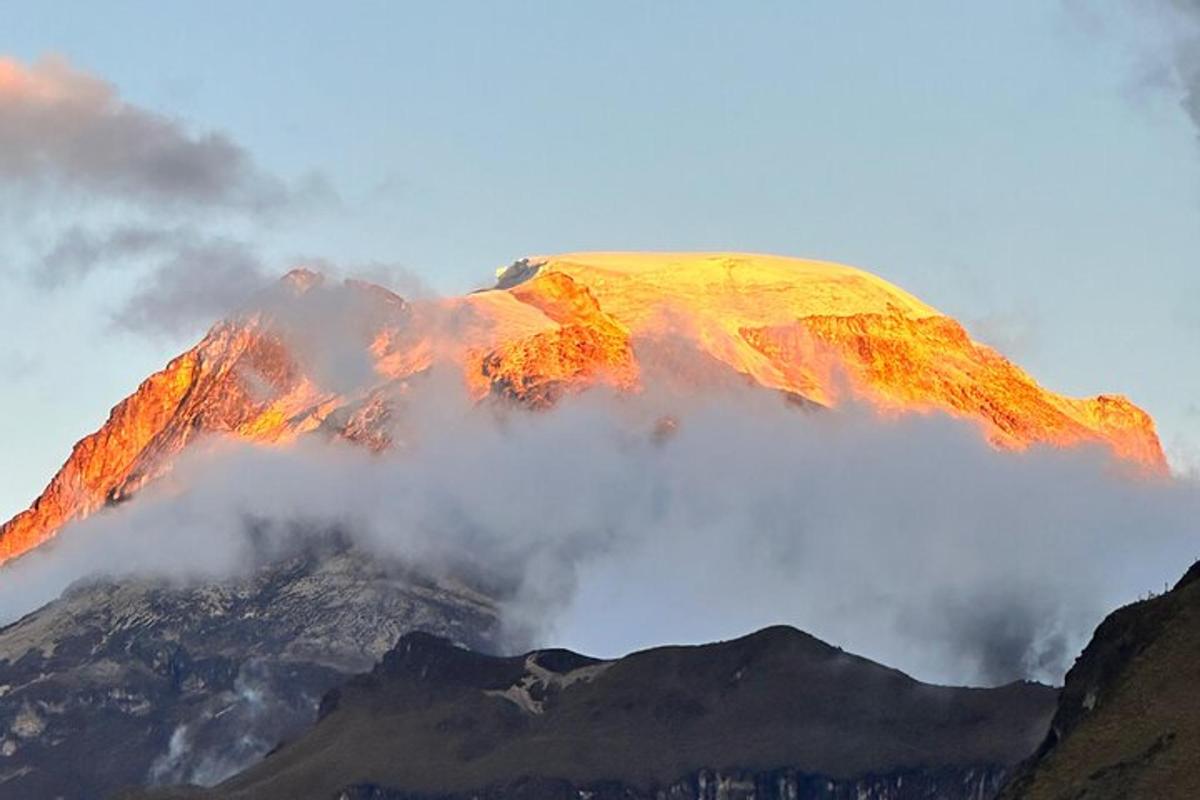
1025 166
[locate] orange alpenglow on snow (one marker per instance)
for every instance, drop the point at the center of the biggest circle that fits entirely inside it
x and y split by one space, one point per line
560 324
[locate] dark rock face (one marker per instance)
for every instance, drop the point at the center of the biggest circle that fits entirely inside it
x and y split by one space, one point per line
134 683
1128 718
777 714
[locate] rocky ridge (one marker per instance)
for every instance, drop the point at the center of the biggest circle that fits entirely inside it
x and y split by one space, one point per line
124 683
773 714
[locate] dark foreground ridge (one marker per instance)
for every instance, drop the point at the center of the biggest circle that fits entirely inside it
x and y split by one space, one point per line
1128 721
776 714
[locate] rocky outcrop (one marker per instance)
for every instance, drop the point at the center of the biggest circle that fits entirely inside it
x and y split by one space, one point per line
135 683
931 364
587 347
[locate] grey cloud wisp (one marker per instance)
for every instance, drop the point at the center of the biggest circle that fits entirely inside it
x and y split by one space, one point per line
910 541
62 126
1182 20
180 211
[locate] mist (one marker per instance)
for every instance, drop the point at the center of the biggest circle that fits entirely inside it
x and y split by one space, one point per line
908 540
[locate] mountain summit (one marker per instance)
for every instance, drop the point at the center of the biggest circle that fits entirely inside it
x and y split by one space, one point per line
310 355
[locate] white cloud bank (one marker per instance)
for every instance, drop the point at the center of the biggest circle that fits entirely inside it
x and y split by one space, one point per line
909 541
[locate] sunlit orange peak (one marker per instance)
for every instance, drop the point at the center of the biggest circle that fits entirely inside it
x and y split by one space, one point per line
554 325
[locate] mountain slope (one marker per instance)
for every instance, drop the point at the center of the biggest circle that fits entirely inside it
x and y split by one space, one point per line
312 356
123 683
246 378
802 326
777 707
1128 722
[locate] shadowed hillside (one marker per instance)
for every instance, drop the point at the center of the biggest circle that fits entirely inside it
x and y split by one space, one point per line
121 683
1128 722
778 710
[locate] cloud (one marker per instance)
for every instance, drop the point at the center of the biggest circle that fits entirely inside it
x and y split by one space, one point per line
62 127
131 174
400 279
15 366
1183 450
1165 35
909 541
1187 311
1013 332
79 251
201 753
185 280
1182 20
200 281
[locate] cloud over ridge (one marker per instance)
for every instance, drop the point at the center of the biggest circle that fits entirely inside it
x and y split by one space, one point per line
909 541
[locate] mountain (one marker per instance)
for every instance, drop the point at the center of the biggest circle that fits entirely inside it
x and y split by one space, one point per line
1128 719
123 683
309 356
252 376
776 714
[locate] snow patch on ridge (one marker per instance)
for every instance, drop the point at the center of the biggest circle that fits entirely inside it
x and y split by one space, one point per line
518 272
530 693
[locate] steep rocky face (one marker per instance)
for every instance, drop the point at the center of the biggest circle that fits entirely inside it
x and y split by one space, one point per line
774 714
1128 719
135 683
309 356
587 346
931 363
248 377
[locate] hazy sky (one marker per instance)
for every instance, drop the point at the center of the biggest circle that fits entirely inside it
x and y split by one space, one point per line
1029 167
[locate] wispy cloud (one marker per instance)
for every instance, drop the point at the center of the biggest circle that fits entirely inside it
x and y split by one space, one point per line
201 281
1165 39
79 250
150 196
1181 58
67 128
16 366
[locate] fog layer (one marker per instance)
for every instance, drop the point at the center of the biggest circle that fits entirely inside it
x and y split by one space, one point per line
910 541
